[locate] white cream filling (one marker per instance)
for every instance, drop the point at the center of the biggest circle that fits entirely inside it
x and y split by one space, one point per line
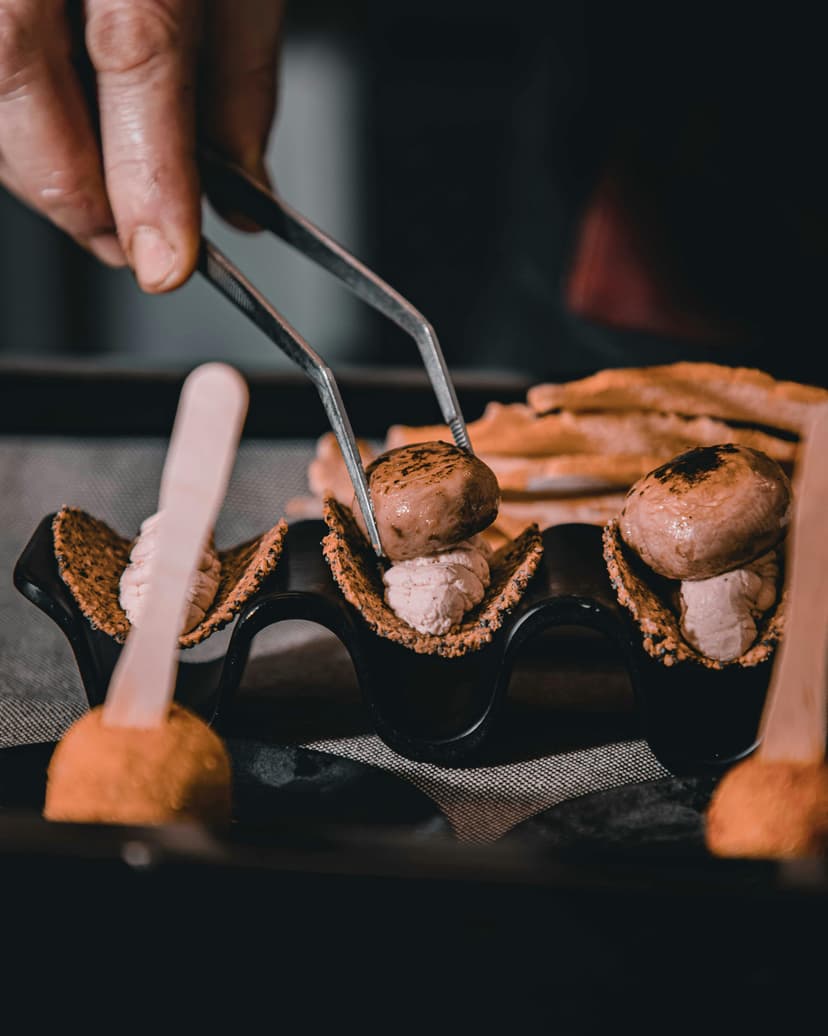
433 593
135 578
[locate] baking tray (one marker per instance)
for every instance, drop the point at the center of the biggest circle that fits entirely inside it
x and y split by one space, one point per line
603 913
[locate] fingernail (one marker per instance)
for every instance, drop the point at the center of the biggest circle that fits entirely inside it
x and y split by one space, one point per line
152 258
107 248
260 172
252 161
241 222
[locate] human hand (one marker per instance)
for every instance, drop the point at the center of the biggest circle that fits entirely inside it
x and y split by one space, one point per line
101 103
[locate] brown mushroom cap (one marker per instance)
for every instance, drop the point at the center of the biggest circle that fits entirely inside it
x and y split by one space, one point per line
429 496
707 511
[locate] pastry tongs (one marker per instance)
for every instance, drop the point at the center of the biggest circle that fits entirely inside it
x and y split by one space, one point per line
231 186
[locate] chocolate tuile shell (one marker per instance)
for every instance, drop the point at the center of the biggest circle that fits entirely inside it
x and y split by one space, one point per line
91 558
641 593
357 572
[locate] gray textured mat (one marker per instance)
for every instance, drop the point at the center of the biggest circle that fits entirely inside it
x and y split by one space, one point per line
116 480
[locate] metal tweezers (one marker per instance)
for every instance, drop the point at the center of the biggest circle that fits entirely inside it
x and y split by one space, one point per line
231 186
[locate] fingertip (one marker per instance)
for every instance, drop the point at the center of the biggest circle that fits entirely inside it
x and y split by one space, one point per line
153 258
107 248
158 264
259 171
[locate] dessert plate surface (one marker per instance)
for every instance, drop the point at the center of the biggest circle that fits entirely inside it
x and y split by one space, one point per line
272 784
278 784
660 817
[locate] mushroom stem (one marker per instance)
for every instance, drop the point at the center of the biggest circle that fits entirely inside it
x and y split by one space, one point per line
720 615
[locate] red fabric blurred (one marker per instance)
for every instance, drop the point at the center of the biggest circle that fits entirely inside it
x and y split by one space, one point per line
616 277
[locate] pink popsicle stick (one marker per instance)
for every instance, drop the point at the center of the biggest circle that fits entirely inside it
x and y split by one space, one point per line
208 424
793 725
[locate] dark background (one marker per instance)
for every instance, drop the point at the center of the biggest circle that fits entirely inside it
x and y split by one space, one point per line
453 146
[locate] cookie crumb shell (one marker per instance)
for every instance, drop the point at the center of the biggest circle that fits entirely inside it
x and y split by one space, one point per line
643 593
358 574
91 558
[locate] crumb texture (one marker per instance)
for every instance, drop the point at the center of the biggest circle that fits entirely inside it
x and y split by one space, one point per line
91 558
119 775
636 590
358 575
773 810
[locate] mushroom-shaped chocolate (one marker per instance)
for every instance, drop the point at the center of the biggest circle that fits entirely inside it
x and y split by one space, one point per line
444 591
707 511
429 497
430 500
712 518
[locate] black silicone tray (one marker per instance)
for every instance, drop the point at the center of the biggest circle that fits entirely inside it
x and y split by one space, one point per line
434 709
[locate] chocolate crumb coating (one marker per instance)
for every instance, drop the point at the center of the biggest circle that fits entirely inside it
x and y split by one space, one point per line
91 558
358 574
645 594
428 497
769 809
121 775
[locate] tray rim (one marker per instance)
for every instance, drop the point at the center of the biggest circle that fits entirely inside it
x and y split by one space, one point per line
86 400
343 849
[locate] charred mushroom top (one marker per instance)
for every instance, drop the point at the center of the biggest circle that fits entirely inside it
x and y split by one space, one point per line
707 511
429 496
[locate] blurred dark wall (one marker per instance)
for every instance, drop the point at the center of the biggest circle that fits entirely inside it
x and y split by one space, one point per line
475 137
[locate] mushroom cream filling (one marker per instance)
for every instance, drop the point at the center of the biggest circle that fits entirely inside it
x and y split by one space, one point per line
719 615
136 576
432 593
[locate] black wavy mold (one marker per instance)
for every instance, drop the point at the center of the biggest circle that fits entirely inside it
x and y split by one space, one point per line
433 709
